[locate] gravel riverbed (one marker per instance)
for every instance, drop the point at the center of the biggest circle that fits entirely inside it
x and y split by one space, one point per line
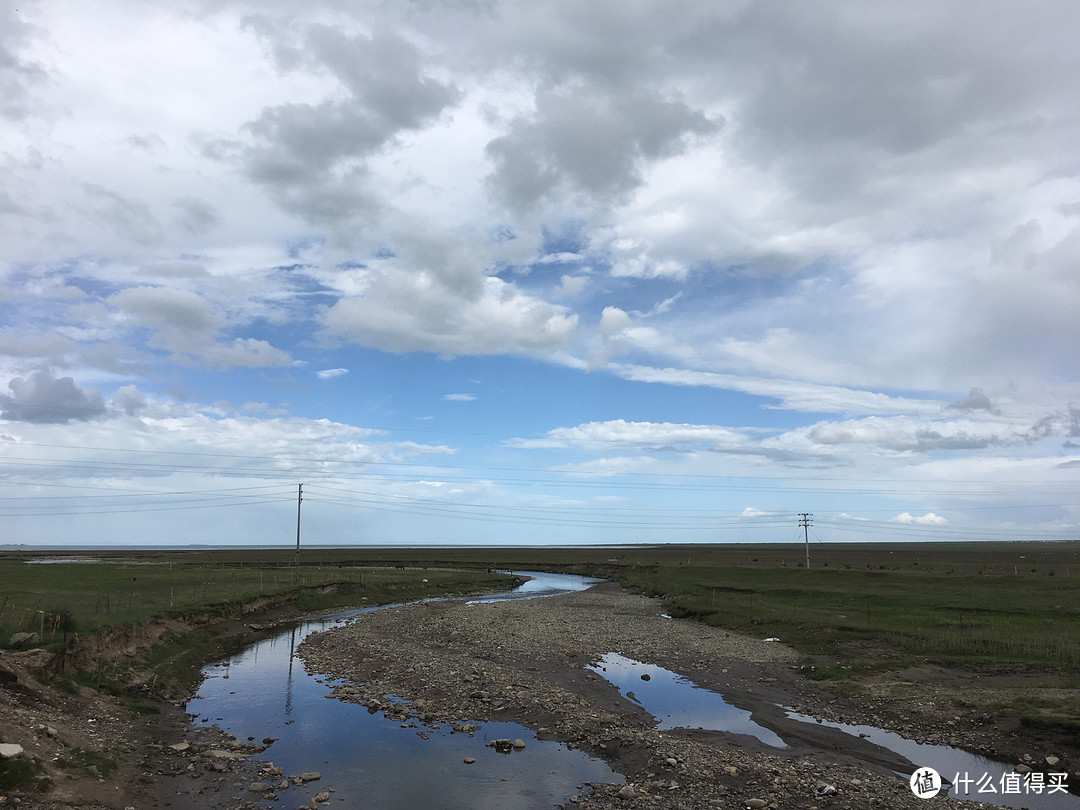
525 661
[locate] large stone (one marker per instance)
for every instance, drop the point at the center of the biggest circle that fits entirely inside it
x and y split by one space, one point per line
23 640
217 753
10 750
825 789
756 804
627 792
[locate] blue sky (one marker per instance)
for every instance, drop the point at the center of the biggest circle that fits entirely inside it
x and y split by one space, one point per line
538 273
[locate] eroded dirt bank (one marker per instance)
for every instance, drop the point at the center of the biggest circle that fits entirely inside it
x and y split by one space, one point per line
525 661
83 747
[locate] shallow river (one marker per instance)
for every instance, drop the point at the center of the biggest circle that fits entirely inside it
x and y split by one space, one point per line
371 761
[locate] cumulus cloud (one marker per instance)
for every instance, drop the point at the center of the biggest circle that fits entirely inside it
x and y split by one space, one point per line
976 400
1064 422
311 155
42 398
165 308
849 212
129 399
905 435
185 324
585 140
419 311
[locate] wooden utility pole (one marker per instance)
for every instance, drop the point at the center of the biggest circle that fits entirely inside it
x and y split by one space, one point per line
805 522
299 500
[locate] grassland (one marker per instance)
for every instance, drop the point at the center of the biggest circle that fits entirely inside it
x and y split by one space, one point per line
955 603
49 592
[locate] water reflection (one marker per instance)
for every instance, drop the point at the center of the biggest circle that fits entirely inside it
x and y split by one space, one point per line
369 760
540 583
677 702
955 762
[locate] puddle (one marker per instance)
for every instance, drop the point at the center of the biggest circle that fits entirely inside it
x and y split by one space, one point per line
677 702
956 765
370 760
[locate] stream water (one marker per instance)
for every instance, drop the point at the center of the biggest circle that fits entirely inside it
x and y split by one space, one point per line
369 760
676 701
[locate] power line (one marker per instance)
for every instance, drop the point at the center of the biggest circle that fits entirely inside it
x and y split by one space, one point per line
374 462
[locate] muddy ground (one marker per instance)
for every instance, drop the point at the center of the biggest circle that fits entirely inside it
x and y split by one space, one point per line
526 662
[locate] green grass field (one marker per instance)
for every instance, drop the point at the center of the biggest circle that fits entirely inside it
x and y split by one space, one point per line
949 603
134 587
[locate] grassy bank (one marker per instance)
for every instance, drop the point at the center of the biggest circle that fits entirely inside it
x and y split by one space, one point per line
44 594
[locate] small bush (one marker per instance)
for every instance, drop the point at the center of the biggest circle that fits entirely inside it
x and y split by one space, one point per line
22 773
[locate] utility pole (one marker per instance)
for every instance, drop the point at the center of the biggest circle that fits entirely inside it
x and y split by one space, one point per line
805 522
299 500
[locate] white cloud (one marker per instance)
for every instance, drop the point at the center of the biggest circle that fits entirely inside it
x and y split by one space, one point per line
573 285
42 398
186 325
419 311
607 187
459 397
793 394
655 435
929 519
330 373
165 308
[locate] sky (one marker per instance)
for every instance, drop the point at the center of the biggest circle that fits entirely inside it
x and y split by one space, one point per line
503 273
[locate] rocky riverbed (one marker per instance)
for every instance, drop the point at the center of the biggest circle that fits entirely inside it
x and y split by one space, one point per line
461 664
